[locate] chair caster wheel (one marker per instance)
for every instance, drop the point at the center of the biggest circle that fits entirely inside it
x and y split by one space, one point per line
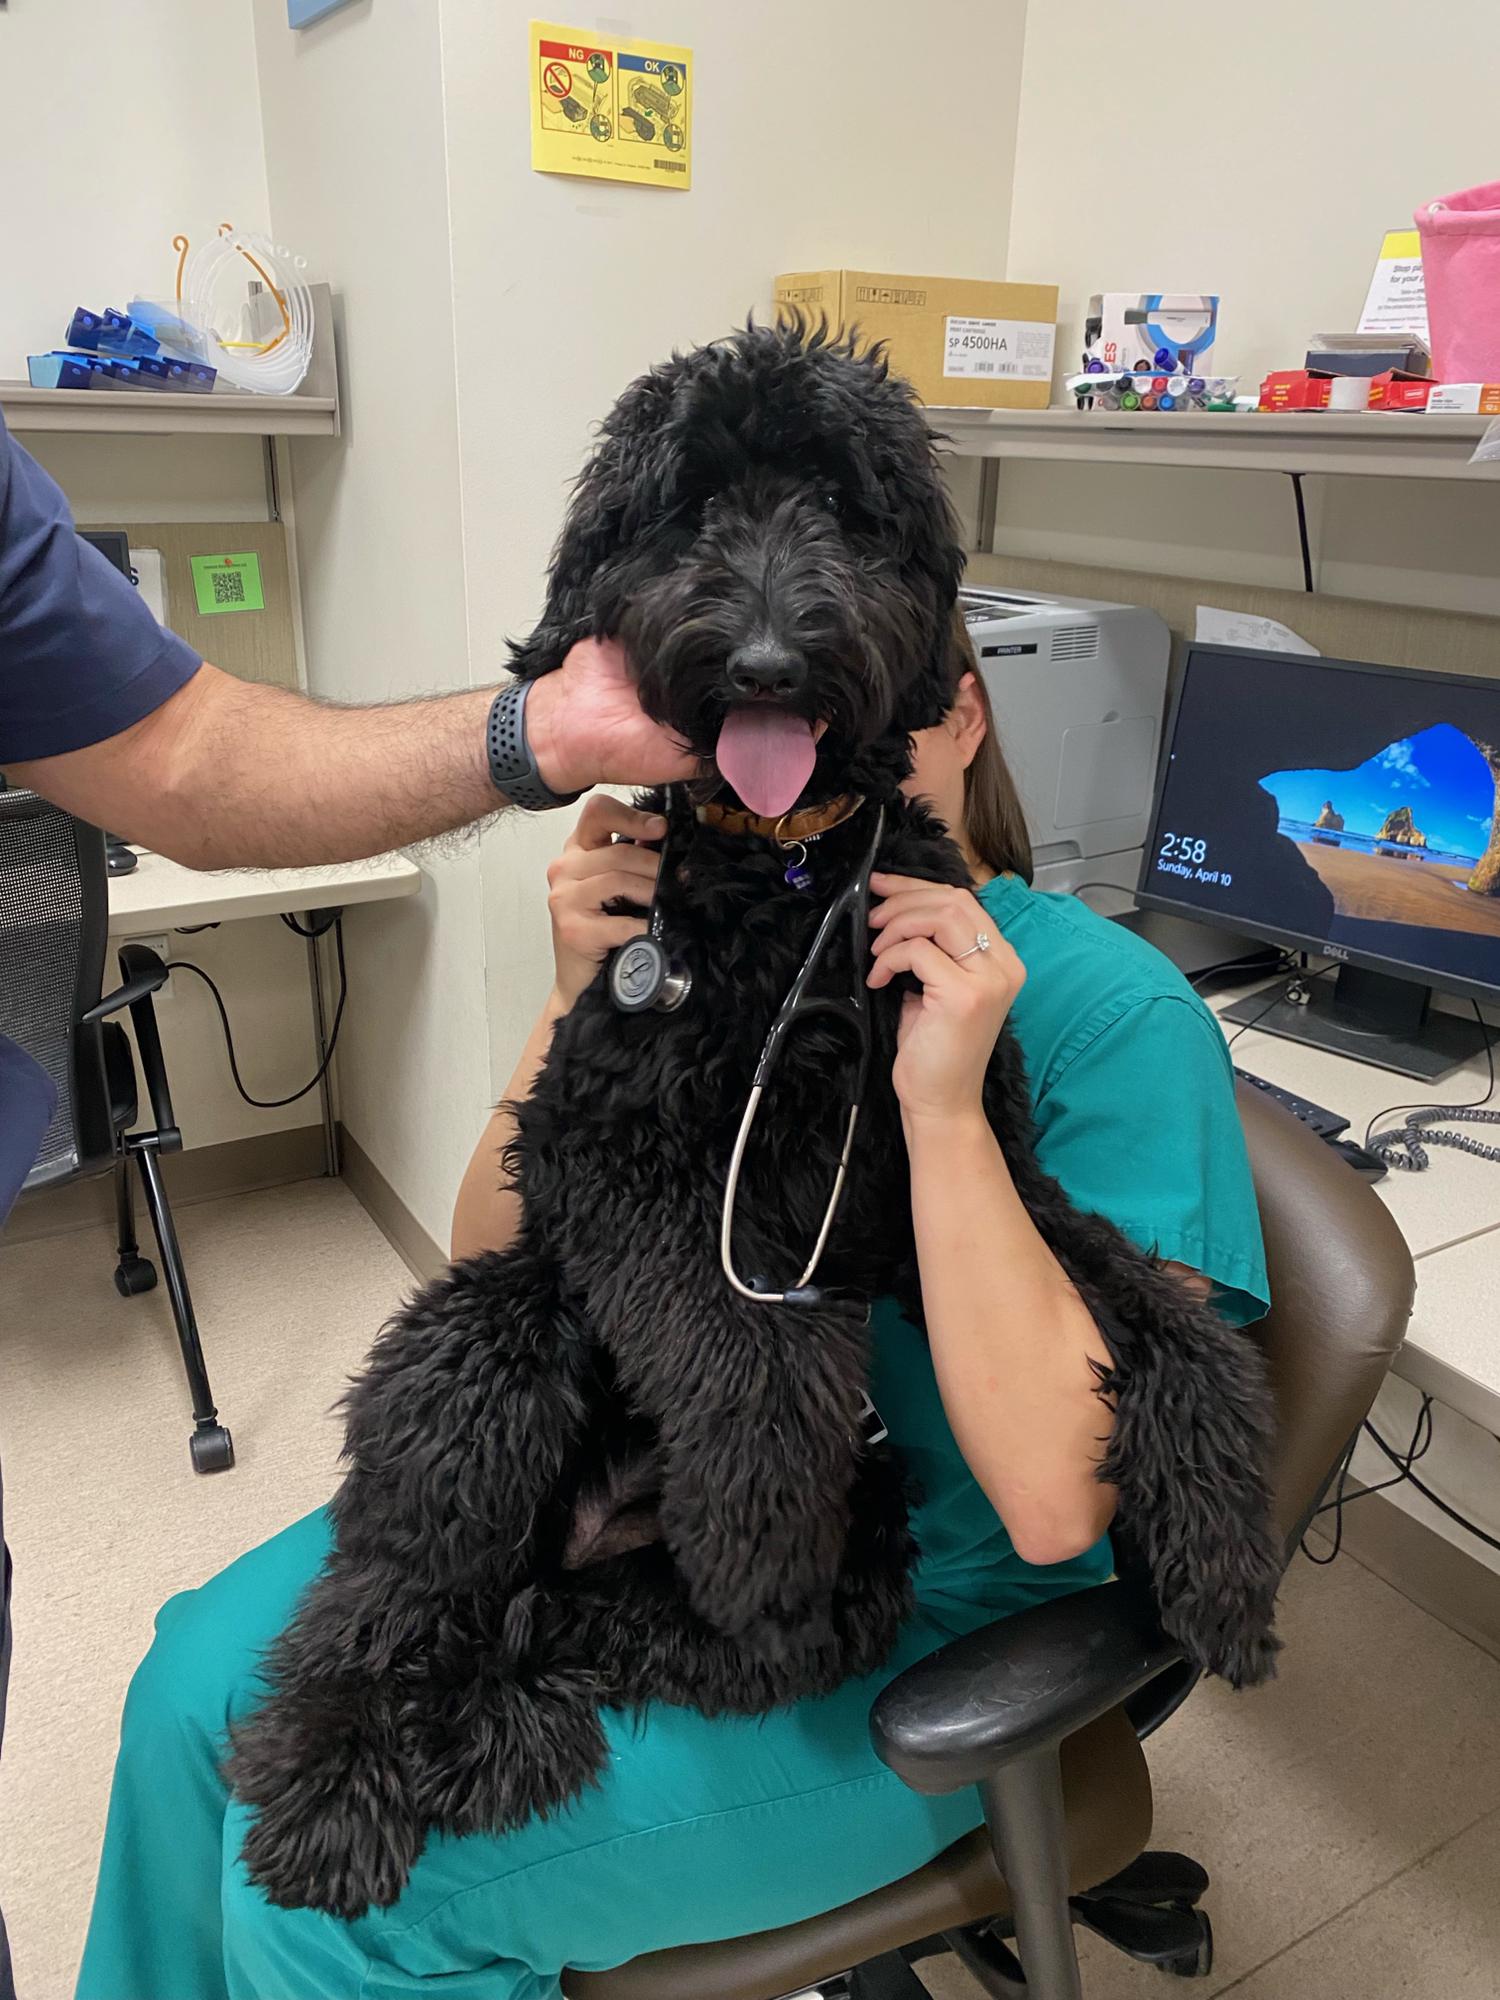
134 1275
1195 1964
212 1449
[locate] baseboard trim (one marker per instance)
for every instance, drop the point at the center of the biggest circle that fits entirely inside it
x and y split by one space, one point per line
1433 1572
421 1254
203 1173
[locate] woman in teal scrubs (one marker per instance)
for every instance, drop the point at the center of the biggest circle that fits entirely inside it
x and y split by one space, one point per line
708 1829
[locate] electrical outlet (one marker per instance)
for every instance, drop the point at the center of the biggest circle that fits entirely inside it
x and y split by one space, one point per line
161 944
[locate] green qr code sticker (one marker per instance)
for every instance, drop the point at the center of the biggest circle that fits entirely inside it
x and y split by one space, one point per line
227 583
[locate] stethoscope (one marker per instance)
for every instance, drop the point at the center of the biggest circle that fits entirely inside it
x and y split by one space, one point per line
643 976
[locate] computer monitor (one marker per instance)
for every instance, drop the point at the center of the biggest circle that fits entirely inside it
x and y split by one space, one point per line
1347 810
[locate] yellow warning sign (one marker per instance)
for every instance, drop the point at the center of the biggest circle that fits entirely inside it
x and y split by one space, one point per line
610 110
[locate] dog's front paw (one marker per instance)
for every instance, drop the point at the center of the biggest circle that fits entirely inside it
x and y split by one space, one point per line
335 1826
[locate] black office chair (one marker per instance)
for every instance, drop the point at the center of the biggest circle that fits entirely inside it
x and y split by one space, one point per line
1044 1712
54 924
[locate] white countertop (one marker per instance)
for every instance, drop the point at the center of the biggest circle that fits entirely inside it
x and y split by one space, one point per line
1450 1215
1456 1197
160 894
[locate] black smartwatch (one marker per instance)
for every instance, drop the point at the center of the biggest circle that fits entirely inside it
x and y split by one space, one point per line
512 766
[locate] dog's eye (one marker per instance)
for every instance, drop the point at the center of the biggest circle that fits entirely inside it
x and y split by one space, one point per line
832 499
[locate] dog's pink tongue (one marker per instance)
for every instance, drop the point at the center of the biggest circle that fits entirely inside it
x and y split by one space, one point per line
767 754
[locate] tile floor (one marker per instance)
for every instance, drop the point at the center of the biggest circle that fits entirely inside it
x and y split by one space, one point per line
1349 1814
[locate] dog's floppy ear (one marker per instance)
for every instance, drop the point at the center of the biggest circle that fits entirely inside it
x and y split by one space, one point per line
626 487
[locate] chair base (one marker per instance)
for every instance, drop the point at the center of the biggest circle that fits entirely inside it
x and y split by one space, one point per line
1148 1911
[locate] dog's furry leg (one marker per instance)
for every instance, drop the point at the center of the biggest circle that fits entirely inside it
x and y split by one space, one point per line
757 1407
458 1433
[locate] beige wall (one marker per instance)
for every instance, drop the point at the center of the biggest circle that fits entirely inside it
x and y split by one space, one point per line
564 290
1220 160
119 126
355 154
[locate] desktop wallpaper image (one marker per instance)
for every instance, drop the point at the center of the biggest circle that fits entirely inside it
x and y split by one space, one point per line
1402 836
1350 807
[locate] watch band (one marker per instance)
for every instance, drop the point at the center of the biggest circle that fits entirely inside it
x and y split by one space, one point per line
513 768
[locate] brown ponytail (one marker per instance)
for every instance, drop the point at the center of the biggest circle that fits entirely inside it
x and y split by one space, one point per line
994 823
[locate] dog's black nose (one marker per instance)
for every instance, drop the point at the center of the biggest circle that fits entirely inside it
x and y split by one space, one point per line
766 667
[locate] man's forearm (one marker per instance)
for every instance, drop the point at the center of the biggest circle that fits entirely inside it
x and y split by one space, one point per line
228 773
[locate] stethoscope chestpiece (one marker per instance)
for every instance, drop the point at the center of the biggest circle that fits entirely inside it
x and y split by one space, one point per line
642 978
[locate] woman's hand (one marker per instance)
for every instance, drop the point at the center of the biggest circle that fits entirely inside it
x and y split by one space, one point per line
946 1032
592 870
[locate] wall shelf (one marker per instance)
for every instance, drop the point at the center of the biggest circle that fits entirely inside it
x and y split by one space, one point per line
312 412
164 413
1397 445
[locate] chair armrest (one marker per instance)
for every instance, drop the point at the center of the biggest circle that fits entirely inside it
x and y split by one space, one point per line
1014 1688
144 973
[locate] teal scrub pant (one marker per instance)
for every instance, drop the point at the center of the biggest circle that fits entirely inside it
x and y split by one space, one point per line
697 1830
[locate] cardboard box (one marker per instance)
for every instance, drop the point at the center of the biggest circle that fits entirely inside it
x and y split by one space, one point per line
1464 399
1395 391
963 342
1296 389
1124 328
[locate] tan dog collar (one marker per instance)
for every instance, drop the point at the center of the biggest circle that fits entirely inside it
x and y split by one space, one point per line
790 827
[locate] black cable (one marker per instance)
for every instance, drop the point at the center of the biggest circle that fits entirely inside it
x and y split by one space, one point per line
1417 1449
277 1103
1307 571
1427 1104
1287 963
330 918
1479 1534
191 930
1275 1001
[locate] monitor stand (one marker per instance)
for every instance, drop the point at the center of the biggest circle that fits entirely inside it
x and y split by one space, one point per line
1370 1016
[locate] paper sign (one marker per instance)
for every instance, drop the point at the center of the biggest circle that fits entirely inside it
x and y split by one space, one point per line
1397 299
227 583
1244 628
610 110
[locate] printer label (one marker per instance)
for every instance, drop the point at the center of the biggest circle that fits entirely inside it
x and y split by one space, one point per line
1019 348
1006 652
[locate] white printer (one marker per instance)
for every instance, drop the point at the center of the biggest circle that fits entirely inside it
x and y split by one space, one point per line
1079 692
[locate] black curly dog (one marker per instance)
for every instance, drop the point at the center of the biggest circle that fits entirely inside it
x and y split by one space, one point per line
583 1472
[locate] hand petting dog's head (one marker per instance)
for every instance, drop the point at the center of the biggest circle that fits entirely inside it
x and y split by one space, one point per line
764 527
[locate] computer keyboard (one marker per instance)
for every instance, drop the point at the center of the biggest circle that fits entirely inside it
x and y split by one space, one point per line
1327 1124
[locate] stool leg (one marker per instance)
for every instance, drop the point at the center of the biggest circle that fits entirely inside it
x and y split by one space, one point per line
212 1449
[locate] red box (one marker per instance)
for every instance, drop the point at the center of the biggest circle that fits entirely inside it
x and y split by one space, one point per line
1296 389
1396 390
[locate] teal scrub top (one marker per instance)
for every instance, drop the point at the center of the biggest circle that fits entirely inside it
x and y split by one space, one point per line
1133 1093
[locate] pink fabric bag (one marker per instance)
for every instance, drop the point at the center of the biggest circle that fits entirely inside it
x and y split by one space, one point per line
1461 270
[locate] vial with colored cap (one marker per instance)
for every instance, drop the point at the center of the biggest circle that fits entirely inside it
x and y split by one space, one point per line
1130 400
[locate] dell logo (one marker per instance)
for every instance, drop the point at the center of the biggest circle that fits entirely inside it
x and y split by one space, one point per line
1336 951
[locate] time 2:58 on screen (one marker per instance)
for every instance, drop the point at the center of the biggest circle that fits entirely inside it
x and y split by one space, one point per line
1183 847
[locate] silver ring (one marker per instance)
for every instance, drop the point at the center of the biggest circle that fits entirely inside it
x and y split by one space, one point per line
981 943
